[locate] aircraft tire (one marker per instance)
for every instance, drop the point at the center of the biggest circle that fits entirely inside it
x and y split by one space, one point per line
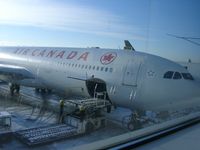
12 89
131 126
17 88
37 90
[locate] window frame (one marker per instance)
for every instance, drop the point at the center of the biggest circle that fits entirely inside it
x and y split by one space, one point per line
187 76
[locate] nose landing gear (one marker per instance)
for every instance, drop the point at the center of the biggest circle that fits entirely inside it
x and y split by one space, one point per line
132 122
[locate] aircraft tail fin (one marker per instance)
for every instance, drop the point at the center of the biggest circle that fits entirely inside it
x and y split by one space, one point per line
128 45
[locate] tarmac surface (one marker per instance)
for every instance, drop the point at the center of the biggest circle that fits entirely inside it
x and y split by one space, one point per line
26 116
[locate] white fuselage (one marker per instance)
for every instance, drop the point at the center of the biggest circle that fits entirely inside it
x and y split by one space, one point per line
193 68
131 79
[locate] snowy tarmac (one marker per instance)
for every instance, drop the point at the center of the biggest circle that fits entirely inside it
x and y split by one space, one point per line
25 116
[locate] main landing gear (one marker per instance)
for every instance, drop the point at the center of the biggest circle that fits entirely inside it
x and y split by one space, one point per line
42 90
14 89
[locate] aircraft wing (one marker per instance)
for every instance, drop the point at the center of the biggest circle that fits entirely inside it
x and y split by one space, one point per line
12 72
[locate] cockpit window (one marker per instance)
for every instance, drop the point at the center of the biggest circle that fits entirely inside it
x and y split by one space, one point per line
168 74
177 75
187 76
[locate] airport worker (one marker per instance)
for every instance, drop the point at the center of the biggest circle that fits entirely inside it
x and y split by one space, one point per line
61 119
82 112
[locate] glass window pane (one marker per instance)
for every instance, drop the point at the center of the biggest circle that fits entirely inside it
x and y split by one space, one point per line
177 75
168 75
187 76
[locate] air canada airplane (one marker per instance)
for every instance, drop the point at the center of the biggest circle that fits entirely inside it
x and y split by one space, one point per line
130 79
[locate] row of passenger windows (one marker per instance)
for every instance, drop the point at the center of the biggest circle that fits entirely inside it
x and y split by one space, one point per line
177 75
89 67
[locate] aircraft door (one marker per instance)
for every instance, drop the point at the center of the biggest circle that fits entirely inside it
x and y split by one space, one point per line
131 73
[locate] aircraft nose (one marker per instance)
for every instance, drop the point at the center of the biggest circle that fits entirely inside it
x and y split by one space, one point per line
190 89
191 95
196 91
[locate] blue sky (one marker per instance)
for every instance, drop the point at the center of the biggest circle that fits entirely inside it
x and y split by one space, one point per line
103 23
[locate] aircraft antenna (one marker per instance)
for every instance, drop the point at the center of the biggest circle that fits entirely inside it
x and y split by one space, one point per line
189 39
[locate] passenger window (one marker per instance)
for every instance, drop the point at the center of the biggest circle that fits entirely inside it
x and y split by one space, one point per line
86 66
177 75
187 76
90 67
168 75
111 69
97 68
102 68
82 67
106 69
93 68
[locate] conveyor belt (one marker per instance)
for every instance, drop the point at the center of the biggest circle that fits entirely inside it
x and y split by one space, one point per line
46 134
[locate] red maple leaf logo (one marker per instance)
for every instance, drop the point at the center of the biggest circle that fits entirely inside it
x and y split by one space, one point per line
108 58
